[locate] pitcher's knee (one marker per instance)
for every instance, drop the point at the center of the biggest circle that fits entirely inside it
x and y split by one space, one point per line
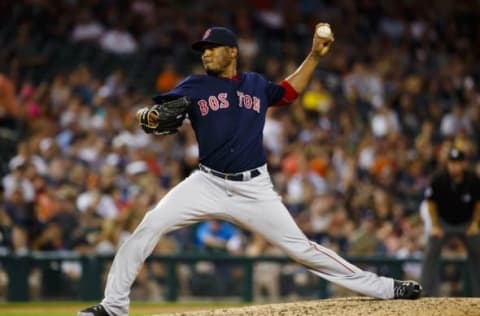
148 227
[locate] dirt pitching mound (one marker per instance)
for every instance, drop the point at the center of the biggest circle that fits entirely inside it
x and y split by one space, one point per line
355 306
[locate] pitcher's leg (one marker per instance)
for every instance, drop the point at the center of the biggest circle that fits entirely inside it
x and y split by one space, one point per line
272 220
173 211
431 265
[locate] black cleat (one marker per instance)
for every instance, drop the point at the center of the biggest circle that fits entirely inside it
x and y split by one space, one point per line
406 290
96 310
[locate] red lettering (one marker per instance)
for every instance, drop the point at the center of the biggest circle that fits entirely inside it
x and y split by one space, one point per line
213 102
202 104
247 101
223 100
256 104
240 98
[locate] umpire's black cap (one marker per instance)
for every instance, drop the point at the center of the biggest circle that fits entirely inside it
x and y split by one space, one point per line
216 35
456 154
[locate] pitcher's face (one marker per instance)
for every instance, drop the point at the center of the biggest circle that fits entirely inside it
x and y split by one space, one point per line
217 60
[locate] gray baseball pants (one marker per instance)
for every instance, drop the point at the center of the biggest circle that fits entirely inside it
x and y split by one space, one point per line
251 204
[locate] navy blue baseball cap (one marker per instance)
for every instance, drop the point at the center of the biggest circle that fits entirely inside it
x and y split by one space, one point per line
216 35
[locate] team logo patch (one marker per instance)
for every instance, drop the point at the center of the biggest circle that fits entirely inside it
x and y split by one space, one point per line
207 34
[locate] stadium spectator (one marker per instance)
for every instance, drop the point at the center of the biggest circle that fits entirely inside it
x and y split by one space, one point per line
218 236
119 40
24 56
167 79
455 121
87 28
98 203
266 275
10 110
6 225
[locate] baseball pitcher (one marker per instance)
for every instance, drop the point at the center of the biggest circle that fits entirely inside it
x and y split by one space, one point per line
227 112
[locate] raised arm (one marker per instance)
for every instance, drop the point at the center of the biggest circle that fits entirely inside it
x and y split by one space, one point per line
322 40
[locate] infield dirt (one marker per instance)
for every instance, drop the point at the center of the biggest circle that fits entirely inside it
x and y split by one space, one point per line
354 306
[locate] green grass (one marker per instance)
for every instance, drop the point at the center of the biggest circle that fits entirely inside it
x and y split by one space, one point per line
136 309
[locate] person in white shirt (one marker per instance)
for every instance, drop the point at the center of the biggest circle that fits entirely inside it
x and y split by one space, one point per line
119 41
87 28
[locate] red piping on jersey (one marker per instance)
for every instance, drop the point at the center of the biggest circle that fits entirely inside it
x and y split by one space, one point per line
290 94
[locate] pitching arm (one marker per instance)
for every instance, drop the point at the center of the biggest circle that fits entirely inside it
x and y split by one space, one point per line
301 76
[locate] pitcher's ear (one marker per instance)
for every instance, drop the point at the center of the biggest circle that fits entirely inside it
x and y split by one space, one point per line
234 52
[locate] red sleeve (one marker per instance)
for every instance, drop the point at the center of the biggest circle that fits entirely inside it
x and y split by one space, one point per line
289 96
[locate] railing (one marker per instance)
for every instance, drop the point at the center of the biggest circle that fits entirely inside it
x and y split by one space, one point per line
18 269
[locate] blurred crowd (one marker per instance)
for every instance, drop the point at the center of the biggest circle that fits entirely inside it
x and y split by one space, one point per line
351 157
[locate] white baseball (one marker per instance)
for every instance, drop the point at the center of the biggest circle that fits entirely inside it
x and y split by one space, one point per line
324 31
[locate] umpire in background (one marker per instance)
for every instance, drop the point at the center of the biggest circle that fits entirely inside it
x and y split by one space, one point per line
452 208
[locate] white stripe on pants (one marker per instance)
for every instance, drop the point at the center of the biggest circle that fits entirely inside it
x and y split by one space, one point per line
251 204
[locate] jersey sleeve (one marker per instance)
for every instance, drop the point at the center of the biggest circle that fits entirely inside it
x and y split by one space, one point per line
289 94
279 94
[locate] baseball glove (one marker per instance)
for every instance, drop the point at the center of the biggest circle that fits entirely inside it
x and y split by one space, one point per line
164 118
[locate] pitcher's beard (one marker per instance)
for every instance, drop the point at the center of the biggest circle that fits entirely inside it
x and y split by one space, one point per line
213 72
